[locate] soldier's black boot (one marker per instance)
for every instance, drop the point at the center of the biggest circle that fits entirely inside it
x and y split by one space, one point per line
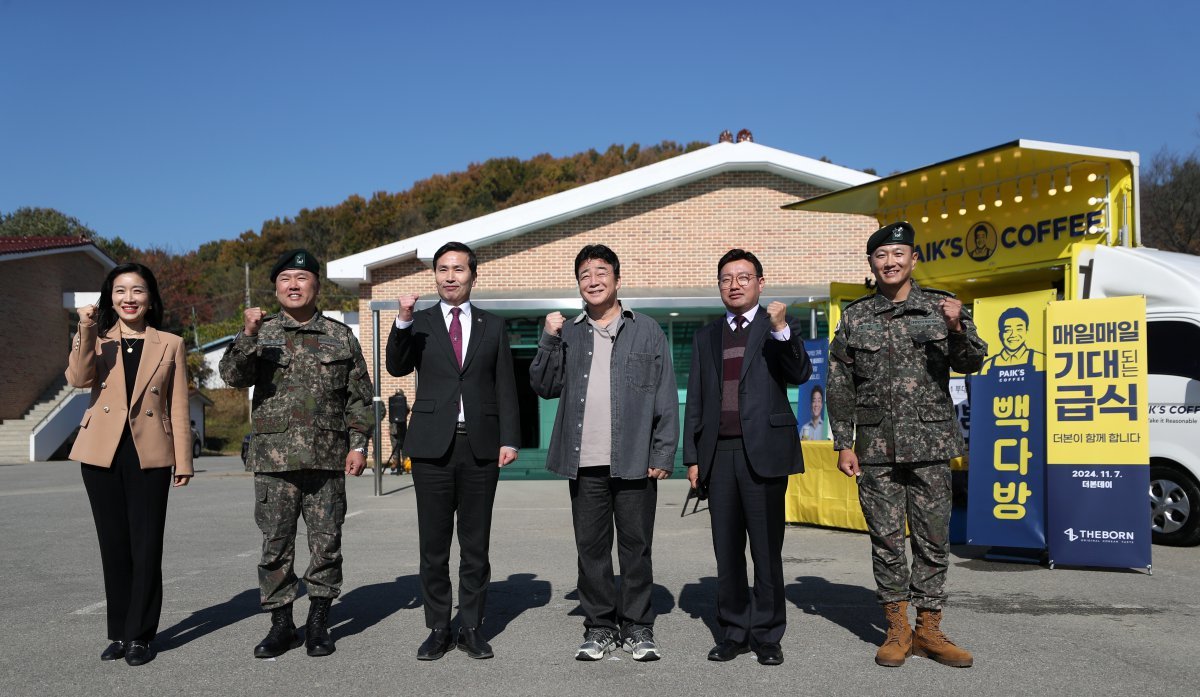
316 631
282 637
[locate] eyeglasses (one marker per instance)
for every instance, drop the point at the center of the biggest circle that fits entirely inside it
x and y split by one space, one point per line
743 280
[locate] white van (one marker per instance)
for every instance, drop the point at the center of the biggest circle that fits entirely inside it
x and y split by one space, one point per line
1171 283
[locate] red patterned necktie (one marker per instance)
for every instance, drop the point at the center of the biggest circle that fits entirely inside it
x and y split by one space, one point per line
456 334
739 322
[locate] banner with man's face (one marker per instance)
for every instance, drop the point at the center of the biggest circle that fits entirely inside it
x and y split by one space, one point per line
1007 491
810 397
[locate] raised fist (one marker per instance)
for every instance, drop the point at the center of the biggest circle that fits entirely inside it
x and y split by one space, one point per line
951 312
777 311
554 323
407 303
253 320
87 314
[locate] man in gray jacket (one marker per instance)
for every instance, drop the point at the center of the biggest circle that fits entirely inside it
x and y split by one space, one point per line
614 438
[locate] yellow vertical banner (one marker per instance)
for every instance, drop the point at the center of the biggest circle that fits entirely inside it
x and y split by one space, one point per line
1097 433
1096 396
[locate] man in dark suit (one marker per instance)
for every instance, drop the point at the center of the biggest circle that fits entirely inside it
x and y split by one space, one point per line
740 441
465 426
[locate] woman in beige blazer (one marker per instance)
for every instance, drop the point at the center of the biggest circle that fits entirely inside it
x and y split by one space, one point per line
135 430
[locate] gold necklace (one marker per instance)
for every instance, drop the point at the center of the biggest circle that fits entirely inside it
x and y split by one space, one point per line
129 343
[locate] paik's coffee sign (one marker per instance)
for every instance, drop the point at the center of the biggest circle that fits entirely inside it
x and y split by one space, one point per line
991 244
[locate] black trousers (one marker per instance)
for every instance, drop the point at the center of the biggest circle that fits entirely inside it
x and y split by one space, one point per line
597 501
455 483
129 505
744 505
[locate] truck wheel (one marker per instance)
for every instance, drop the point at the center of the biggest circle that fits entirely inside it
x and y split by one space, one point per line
1174 506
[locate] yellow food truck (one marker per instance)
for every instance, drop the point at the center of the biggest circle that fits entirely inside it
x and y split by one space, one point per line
1035 216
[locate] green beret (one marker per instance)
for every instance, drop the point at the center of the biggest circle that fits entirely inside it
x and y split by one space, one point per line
893 233
296 259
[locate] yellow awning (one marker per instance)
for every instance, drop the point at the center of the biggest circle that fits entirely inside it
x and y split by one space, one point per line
975 176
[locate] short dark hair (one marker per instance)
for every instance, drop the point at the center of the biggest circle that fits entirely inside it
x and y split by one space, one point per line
107 314
472 262
600 252
815 390
739 255
1012 313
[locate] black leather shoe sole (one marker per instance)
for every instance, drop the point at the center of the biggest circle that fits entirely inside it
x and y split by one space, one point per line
431 655
727 653
138 654
262 651
114 652
434 648
485 653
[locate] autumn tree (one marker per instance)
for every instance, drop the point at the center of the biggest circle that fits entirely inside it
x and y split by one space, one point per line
1170 196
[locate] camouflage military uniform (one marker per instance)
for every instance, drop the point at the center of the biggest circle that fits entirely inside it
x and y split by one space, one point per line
312 403
889 378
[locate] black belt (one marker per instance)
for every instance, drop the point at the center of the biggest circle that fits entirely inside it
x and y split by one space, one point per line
460 428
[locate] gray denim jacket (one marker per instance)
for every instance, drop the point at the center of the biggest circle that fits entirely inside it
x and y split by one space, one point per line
645 402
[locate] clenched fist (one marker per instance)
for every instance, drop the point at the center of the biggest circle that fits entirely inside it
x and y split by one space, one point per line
253 320
777 311
951 312
554 323
407 303
87 314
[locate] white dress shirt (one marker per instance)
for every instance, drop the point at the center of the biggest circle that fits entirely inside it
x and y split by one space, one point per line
749 315
464 319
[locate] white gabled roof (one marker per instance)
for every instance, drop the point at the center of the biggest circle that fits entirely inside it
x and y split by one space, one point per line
683 169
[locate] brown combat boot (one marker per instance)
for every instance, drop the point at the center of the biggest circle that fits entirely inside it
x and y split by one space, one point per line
899 642
929 642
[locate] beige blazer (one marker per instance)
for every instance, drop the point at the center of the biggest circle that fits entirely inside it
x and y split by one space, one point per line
158 414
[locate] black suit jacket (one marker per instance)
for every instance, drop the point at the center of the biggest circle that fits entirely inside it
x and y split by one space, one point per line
486 384
768 422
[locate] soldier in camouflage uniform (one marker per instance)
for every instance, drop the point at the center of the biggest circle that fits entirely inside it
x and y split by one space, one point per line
889 374
312 419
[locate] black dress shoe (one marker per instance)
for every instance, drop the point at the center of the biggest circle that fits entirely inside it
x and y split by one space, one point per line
769 654
436 646
115 651
727 650
469 640
138 652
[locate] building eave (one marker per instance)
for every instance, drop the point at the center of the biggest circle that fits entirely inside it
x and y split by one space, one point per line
505 224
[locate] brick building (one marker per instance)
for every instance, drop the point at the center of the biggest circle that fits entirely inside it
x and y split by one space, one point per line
668 222
39 277
42 280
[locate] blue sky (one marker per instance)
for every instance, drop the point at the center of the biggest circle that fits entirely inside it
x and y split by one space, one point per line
172 124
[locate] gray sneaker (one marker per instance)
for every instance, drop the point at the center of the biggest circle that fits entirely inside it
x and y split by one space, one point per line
639 641
597 641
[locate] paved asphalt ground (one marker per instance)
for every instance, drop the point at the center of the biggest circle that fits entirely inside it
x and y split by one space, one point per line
1033 630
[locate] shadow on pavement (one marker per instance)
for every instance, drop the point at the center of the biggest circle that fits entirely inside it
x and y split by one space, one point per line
509 598
210 619
661 599
852 607
367 606
699 601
